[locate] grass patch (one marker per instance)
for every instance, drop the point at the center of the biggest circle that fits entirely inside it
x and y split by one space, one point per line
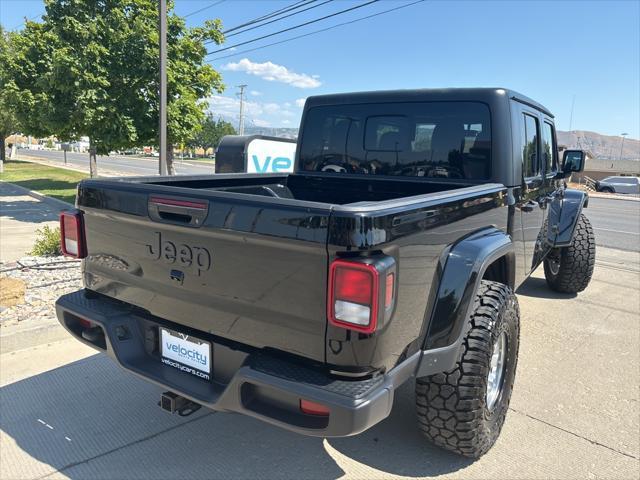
55 182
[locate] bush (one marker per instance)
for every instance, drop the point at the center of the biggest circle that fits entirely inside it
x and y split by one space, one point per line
47 242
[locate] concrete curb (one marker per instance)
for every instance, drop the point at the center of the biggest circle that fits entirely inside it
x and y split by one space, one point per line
52 202
612 196
31 337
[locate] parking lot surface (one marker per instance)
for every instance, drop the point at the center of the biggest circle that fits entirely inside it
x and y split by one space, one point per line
68 412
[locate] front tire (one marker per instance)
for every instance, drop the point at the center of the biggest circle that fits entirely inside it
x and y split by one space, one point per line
463 410
569 269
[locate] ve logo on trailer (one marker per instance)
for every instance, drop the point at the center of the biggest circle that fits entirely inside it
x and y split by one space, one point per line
278 164
270 156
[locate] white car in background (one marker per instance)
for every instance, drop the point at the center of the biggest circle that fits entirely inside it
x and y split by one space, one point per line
619 185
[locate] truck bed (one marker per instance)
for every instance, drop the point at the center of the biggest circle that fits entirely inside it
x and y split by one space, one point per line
245 257
322 188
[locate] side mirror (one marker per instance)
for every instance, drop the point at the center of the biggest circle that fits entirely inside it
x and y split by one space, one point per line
573 161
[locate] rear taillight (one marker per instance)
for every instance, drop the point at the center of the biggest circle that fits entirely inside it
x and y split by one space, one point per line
353 295
72 240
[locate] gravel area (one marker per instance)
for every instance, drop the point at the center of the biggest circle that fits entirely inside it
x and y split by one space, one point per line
46 278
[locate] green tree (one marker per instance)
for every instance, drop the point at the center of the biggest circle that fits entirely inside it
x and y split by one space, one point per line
210 133
91 69
8 119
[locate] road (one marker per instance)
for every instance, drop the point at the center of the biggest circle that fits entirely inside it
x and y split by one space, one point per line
119 163
616 222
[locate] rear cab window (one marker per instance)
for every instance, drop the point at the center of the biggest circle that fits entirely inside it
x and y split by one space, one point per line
421 139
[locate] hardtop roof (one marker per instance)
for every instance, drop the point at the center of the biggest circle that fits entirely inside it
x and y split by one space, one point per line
488 95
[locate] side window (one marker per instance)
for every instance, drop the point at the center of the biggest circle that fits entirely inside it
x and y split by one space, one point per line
530 167
549 153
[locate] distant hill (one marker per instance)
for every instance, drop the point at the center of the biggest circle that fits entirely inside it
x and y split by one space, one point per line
272 132
605 147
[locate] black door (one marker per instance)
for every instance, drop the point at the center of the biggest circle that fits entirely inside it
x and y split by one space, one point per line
534 194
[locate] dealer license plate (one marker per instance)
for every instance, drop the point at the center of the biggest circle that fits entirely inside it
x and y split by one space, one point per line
186 353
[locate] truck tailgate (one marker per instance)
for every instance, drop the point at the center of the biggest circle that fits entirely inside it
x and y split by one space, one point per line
248 270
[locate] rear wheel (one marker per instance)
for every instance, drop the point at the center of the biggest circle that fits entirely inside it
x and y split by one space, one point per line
569 269
463 410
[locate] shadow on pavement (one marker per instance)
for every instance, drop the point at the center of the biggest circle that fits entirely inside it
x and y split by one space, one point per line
538 288
396 445
93 420
27 211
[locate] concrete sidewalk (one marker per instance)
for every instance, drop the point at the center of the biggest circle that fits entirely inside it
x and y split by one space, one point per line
22 212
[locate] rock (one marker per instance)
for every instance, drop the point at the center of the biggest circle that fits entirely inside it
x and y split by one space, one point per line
43 280
11 291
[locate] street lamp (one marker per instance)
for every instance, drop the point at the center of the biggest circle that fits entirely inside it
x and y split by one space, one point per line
622 144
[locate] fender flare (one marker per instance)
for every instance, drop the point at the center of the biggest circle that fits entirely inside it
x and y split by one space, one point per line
564 214
466 263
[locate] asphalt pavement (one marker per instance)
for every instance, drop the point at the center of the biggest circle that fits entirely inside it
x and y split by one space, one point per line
616 222
119 163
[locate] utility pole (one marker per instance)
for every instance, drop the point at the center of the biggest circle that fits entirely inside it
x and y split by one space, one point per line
162 10
241 121
622 144
573 102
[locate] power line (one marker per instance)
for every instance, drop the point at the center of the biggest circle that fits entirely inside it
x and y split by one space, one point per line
317 31
292 28
280 18
203 8
266 16
27 20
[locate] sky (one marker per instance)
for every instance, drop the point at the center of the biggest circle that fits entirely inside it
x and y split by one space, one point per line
556 52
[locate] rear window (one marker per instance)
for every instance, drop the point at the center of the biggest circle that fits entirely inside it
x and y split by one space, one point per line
426 139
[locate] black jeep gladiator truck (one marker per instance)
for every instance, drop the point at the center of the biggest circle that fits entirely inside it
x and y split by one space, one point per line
306 299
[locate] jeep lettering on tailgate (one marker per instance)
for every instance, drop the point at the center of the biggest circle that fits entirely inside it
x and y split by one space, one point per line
187 256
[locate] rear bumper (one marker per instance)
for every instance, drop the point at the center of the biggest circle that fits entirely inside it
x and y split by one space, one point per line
243 380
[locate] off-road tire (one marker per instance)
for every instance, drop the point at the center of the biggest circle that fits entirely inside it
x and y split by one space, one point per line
451 406
576 262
